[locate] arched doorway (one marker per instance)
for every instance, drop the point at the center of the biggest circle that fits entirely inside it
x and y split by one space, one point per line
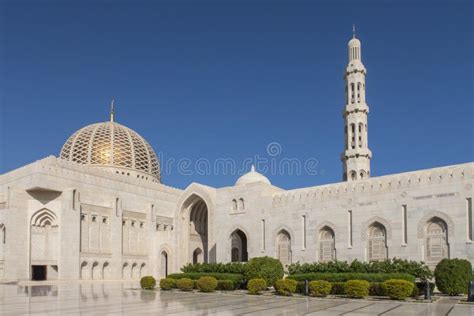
197 256
198 232
377 242
284 247
238 246
43 244
436 241
164 263
327 251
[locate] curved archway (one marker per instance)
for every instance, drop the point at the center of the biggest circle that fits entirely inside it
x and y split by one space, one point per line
44 246
283 241
84 271
106 271
327 249
126 272
164 263
95 271
377 242
239 252
436 241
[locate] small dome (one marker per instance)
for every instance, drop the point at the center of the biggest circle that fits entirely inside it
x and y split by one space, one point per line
354 42
114 146
252 177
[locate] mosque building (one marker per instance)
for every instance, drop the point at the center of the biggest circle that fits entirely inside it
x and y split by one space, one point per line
100 211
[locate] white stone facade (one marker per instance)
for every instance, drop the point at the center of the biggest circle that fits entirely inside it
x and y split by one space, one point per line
109 217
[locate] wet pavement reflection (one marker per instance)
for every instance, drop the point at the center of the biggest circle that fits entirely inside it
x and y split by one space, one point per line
127 298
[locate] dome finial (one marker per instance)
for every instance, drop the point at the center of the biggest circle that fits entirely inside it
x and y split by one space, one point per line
353 31
252 168
112 111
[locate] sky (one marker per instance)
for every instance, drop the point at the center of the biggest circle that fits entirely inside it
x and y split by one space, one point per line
238 81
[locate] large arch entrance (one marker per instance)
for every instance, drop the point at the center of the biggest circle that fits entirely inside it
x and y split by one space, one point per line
44 245
238 246
198 233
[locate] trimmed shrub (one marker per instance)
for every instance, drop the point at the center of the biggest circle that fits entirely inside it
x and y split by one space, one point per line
255 286
225 285
452 276
167 284
266 268
207 284
231 267
285 287
419 289
356 288
148 282
319 288
343 277
415 268
376 289
236 278
398 289
185 284
337 288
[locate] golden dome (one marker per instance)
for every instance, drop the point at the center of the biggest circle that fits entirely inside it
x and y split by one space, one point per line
114 146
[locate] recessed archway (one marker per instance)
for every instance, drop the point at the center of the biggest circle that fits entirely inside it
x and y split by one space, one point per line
239 252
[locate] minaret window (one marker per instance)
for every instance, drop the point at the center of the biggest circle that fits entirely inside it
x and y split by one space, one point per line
352 92
353 136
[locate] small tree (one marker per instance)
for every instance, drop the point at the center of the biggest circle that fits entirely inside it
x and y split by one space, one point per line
452 276
267 268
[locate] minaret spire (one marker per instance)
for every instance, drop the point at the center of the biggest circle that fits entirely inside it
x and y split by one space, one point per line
357 155
112 111
353 31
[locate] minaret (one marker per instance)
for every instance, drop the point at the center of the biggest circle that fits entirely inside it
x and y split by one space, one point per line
356 156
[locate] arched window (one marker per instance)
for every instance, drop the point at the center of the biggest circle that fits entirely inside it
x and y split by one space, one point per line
377 242
284 247
234 205
164 263
436 241
241 204
362 174
353 175
327 251
352 93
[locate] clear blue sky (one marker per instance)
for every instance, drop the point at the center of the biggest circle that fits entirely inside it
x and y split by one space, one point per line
222 79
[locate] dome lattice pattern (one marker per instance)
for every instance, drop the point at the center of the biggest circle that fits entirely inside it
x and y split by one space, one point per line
113 145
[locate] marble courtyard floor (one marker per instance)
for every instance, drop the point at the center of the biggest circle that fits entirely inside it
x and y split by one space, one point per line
113 298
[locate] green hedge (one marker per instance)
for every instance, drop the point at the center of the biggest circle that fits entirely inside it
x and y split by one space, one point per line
356 288
225 285
415 268
452 276
285 287
343 277
398 289
255 286
319 288
148 282
236 278
207 284
231 267
167 284
185 284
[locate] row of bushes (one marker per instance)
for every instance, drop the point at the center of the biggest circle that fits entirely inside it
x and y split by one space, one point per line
231 267
236 278
204 284
343 277
415 268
